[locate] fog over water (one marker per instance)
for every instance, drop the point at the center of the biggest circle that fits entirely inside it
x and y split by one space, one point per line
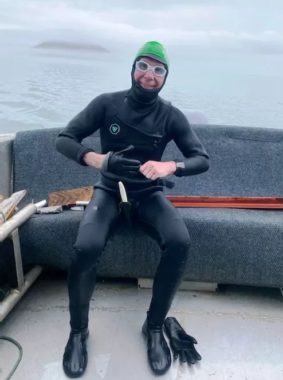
226 58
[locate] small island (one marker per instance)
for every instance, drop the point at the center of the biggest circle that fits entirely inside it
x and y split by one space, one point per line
64 45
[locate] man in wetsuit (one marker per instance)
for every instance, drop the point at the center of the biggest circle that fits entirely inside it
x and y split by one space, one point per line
135 127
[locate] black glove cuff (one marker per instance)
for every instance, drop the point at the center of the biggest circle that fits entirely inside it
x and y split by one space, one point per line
106 161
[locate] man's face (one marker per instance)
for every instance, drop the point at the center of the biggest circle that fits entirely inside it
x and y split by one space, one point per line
148 79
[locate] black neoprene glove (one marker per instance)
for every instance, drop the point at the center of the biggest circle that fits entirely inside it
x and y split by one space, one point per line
115 162
182 344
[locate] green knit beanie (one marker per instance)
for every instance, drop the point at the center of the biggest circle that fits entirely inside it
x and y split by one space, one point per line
155 50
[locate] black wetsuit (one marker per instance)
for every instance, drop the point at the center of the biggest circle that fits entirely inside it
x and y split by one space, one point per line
148 123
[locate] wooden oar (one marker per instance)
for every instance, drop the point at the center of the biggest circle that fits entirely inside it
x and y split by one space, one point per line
8 206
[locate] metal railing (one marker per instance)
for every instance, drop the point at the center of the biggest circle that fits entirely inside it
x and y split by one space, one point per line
9 230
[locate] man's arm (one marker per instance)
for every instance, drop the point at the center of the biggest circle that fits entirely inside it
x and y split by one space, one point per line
84 124
196 159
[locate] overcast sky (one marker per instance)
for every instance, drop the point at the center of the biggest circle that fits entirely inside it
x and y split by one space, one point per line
255 25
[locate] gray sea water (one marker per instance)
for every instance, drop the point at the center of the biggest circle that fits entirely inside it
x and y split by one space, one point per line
46 88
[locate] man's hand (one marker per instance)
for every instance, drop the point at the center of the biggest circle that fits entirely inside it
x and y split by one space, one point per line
181 343
115 162
156 169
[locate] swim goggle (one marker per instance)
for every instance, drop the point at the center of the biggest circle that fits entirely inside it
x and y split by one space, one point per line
143 66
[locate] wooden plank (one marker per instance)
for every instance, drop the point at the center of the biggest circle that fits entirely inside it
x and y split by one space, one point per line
8 206
228 205
228 202
209 199
70 197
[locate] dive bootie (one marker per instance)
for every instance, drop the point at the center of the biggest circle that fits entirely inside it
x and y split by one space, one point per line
75 355
158 352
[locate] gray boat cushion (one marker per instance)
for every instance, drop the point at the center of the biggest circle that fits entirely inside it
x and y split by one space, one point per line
40 169
228 246
243 162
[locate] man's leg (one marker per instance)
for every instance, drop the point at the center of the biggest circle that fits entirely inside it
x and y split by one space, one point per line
164 223
98 220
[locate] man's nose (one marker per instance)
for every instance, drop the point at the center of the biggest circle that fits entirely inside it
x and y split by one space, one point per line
149 74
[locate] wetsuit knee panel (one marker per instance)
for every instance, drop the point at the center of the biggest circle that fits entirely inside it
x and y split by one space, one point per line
87 253
178 242
89 240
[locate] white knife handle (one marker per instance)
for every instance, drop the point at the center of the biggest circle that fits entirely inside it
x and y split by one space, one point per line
123 193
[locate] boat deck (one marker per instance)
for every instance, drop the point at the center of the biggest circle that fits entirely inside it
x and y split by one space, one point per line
239 330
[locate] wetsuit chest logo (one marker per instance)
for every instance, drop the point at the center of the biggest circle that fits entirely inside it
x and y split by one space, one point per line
114 129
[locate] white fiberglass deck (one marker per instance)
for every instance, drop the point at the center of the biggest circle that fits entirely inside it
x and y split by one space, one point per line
239 330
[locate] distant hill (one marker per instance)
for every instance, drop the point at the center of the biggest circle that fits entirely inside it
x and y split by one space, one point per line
62 45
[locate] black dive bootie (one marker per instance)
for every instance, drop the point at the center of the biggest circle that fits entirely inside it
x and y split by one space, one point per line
158 352
75 355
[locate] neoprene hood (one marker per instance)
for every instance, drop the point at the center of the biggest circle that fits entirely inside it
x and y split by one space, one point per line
155 50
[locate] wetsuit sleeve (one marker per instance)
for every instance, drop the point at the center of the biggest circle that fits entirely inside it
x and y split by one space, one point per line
196 158
89 120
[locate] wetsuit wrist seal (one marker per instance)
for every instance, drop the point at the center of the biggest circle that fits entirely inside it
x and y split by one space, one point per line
81 153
